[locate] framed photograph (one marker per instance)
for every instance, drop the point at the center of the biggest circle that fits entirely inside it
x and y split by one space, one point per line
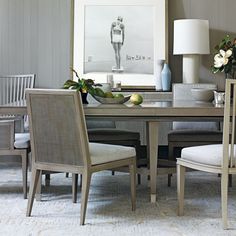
125 38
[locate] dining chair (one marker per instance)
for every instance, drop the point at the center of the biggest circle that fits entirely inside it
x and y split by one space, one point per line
59 143
12 89
105 131
214 158
185 134
15 144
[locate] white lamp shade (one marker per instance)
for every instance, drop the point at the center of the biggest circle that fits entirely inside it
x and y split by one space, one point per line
191 36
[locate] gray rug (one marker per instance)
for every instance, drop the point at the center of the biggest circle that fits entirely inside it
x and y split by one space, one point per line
109 209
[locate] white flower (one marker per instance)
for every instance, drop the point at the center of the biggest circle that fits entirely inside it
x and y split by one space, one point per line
221 59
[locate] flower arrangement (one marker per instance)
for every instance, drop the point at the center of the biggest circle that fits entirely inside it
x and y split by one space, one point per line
82 85
225 57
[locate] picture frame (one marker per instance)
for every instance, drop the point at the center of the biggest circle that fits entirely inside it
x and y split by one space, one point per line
95 54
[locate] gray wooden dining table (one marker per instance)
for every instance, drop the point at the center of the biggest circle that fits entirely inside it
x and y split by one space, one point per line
150 112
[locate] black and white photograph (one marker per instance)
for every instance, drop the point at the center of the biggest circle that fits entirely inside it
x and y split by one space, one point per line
118 39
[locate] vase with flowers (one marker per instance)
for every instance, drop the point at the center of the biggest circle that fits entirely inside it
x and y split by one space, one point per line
224 61
225 57
84 86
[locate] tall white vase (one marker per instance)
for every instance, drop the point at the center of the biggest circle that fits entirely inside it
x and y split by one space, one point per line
157 75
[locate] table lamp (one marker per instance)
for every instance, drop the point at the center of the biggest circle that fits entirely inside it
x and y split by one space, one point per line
191 39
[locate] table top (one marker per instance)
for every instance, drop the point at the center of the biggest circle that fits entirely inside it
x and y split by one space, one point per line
178 108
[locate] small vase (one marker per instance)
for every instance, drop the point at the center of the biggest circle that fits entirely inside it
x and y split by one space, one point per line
166 78
84 98
157 75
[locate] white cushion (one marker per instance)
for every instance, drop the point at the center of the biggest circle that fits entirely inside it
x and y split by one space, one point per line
206 154
22 140
103 153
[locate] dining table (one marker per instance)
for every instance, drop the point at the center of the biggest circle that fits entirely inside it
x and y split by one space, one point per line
150 112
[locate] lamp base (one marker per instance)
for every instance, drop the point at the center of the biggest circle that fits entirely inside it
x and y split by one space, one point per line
191 69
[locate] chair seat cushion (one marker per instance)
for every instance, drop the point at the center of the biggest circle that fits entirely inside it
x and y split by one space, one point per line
206 154
196 135
103 153
22 140
104 134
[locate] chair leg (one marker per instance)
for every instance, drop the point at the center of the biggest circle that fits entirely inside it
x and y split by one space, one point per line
74 187
230 181
132 170
24 160
80 181
180 189
47 179
84 195
224 199
171 158
169 180
39 188
139 179
33 186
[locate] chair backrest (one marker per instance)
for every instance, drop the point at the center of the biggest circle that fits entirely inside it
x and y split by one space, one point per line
57 127
12 87
183 92
6 135
229 127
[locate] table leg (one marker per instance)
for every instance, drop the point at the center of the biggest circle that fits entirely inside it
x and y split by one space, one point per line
153 152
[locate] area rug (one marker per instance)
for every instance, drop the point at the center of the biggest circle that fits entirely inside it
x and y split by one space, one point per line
109 208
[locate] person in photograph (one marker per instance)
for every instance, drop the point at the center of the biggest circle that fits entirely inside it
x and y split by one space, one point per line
117 34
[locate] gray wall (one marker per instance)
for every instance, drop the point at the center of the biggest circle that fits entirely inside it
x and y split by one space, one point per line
35 36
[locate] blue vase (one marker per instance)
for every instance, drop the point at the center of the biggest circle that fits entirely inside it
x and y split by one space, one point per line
166 78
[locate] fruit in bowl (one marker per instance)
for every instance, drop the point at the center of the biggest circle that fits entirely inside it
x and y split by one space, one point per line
109 97
118 95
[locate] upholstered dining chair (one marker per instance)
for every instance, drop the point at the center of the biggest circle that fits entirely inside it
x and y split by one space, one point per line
185 134
214 158
15 144
59 143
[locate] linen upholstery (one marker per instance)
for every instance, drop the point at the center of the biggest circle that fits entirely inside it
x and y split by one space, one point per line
102 153
22 140
206 154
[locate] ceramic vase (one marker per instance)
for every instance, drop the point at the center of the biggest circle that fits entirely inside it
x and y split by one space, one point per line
157 74
166 78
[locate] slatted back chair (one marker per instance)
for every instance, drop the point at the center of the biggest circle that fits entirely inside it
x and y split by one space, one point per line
214 158
59 142
12 89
